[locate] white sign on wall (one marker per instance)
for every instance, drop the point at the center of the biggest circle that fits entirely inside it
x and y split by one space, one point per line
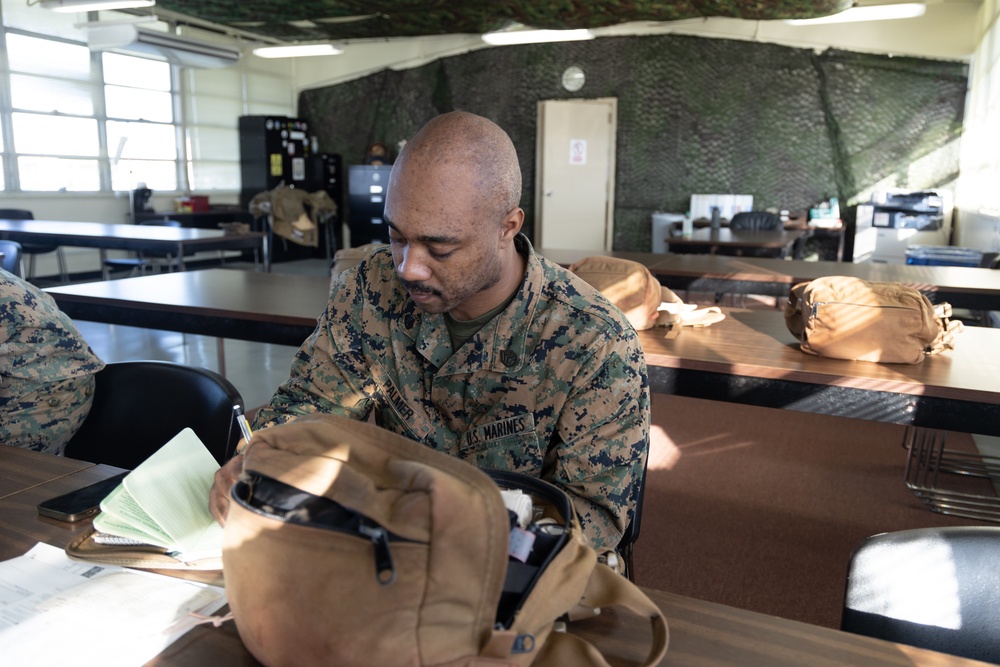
578 151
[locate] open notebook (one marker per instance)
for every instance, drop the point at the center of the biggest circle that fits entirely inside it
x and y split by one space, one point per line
158 516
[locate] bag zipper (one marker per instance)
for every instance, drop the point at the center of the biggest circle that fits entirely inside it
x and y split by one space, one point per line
816 304
385 570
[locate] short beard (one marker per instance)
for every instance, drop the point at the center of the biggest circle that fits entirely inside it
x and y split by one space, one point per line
482 280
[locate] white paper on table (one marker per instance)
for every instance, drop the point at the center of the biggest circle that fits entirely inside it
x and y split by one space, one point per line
55 611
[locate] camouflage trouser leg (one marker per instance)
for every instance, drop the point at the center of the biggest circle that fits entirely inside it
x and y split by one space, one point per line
43 417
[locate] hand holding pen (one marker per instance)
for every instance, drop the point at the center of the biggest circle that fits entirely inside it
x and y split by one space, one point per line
226 476
244 427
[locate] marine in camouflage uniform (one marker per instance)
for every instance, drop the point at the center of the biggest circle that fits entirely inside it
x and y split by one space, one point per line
46 369
554 386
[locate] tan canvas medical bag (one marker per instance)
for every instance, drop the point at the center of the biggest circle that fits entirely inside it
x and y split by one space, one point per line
348 545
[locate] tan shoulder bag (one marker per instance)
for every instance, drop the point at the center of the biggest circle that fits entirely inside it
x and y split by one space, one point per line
849 318
349 545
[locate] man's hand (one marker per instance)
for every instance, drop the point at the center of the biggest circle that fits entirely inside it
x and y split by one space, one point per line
225 477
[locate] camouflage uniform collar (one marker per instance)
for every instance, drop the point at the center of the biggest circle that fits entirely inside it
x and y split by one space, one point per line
500 345
508 332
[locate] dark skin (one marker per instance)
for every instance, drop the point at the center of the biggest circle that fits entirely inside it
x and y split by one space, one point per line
442 255
452 241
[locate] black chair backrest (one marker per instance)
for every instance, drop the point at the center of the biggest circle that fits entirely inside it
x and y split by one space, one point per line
24 214
140 405
16 214
626 546
990 260
756 221
11 262
935 588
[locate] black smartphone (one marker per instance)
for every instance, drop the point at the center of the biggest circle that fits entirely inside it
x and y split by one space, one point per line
82 503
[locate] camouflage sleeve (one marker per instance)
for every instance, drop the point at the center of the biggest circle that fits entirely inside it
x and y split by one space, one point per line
604 439
323 379
38 342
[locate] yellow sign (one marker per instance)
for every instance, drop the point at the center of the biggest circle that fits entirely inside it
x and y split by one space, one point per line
276 164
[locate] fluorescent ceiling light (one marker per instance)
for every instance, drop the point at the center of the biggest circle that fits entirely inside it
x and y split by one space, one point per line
297 50
69 6
535 36
906 10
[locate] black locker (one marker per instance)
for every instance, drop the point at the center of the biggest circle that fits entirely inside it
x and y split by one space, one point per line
273 149
326 173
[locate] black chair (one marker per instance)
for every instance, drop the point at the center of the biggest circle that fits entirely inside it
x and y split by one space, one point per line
976 317
934 588
764 221
33 249
626 546
140 405
140 261
758 221
11 263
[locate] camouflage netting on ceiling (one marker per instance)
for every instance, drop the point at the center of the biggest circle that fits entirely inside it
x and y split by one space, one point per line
305 20
695 115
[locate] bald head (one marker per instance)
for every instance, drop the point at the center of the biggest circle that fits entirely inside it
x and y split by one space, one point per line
476 145
453 216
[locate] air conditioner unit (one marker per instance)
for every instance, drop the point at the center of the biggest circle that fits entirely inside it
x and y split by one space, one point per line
178 50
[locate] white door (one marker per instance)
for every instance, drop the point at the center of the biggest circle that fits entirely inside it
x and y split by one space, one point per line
575 172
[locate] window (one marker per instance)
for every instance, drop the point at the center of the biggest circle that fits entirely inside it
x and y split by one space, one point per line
51 97
49 173
142 153
214 103
143 146
81 121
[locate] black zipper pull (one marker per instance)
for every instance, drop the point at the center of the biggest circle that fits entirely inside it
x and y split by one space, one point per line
385 573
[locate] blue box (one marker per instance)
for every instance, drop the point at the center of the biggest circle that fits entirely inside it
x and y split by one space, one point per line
943 256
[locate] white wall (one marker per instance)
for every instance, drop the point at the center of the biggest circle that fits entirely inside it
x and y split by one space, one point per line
978 196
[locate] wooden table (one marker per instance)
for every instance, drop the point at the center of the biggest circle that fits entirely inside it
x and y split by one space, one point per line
749 358
227 303
702 634
177 241
20 469
825 228
962 287
38 477
736 241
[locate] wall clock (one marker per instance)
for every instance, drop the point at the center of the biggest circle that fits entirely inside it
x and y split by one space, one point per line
573 79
